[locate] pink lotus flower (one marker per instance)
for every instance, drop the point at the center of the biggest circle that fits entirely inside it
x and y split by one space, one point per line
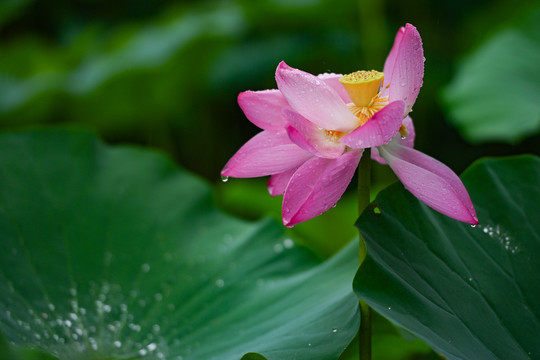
317 127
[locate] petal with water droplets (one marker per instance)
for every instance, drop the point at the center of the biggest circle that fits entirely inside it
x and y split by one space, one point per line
404 67
266 153
264 108
430 181
378 130
312 138
332 80
316 186
314 99
278 182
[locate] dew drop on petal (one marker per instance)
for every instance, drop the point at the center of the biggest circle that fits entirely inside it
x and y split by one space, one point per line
224 178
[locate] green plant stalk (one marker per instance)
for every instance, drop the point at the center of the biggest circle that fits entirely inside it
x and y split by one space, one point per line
364 180
364 333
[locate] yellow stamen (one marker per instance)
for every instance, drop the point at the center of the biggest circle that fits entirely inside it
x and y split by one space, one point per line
334 135
362 86
403 131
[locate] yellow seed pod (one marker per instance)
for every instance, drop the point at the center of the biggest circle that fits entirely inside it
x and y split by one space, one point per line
362 86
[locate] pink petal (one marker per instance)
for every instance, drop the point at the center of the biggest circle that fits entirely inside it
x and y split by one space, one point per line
264 108
316 186
314 99
378 130
404 67
392 55
278 183
430 181
312 138
332 80
266 153
408 141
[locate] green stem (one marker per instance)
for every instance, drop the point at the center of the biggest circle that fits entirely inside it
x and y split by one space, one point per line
364 180
364 334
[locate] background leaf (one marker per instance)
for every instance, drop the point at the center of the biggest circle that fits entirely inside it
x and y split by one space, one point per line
115 253
470 293
494 96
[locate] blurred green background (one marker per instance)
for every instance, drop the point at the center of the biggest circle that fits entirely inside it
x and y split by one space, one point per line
165 75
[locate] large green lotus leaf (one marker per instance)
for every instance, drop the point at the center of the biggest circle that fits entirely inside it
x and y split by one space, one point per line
112 252
469 292
494 96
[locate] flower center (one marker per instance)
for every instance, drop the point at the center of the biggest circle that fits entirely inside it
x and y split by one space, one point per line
364 89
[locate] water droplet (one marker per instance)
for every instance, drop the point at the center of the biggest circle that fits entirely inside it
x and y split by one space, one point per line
220 283
278 248
335 330
470 279
389 308
117 343
288 243
151 347
309 344
224 178
496 232
473 225
145 267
